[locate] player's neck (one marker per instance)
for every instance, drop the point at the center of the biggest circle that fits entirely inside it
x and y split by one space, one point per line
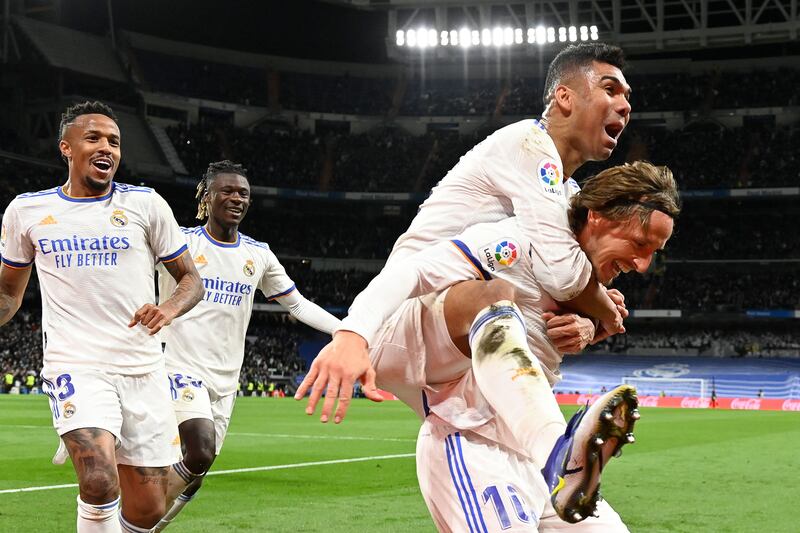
220 232
570 155
77 188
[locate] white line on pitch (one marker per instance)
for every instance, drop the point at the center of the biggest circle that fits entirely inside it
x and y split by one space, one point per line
272 435
241 470
321 437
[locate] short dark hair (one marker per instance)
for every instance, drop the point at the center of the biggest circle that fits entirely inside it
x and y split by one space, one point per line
577 56
84 108
219 167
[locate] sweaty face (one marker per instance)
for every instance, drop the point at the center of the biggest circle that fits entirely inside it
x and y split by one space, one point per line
91 145
228 198
601 110
622 246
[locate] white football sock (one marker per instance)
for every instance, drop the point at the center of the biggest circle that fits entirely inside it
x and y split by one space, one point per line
101 518
127 527
512 380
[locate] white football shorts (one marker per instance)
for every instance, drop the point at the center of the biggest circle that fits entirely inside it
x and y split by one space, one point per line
135 409
472 484
191 399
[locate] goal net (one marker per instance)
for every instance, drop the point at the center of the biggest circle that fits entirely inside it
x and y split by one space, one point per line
695 387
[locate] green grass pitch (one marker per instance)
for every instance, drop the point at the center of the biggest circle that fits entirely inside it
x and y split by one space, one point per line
694 471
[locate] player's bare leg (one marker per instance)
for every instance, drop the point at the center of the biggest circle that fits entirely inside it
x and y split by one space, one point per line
92 454
145 488
198 440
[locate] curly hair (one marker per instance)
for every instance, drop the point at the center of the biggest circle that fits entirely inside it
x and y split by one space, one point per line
85 108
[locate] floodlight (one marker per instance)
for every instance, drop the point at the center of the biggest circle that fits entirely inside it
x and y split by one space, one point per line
508 36
541 35
411 38
518 35
422 38
497 36
531 36
486 37
573 34
476 39
400 37
454 37
432 38
551 35
562 34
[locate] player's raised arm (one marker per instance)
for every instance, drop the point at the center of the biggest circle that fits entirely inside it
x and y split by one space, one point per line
346 359
533 181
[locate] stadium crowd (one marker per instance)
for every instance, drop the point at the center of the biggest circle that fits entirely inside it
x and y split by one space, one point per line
704 156
516 95
715 341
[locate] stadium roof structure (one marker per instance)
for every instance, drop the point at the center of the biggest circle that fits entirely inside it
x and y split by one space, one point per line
640 26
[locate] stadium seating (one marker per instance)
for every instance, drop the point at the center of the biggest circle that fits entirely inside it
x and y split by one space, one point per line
731 256
773 378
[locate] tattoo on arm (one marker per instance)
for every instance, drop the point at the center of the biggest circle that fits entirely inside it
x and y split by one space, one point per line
190 286
8 307
12 288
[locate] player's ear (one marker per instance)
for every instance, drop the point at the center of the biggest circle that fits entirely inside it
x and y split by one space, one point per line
593 218
563 98
65 149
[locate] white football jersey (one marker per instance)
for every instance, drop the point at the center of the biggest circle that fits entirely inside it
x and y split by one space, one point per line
95 258
484 251
516 171
207 343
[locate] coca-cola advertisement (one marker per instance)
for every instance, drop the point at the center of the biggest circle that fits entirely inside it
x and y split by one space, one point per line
693 402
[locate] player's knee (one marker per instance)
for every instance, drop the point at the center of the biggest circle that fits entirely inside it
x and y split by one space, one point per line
497 290
145 515
200 455
100 485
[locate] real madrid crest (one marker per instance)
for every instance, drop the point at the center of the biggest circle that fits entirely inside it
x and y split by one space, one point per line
249 268
119 219
69 409
187 395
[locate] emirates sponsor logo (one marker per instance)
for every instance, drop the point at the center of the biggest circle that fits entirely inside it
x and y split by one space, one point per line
695 403
791 405
748 404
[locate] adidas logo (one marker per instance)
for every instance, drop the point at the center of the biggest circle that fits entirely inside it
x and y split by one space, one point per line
48 220
201 260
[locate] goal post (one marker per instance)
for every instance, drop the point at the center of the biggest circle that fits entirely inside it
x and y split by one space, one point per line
695 387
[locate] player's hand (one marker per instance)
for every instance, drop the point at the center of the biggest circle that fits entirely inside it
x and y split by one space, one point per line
570 333
605 330
334 371
152 317
619 300
612 327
